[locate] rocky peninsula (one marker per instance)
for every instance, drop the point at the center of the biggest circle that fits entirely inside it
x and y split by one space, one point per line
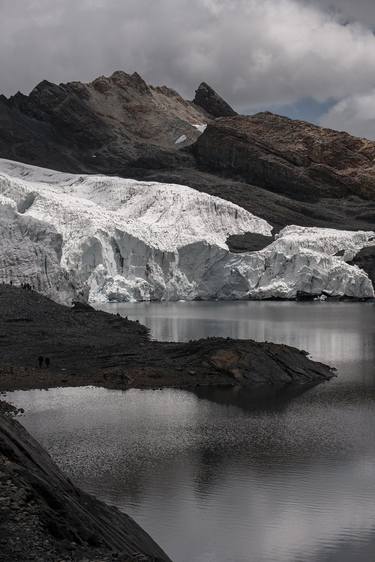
89 347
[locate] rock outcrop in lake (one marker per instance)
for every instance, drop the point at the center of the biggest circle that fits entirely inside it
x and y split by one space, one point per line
43 516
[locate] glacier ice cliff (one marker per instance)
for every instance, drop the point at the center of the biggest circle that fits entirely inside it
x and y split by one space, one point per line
114 239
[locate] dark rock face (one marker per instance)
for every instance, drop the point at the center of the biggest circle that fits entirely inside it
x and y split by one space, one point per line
365 259
211 102
294 158
248 242
43 516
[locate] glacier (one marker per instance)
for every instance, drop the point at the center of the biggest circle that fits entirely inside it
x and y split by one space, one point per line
112 239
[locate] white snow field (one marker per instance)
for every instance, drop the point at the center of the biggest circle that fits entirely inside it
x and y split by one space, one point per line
113 239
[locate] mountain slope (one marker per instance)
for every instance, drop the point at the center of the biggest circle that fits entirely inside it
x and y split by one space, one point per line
294 158
285 171
104 125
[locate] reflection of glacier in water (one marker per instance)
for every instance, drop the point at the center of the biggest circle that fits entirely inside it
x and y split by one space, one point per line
212 480
332 332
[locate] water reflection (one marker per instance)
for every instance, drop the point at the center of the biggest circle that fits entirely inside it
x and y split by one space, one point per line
228 476
264 399
329 331
215 481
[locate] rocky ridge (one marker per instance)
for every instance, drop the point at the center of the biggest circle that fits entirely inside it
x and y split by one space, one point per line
293 158
285 171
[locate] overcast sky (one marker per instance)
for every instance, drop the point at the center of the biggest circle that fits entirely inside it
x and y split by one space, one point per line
313 59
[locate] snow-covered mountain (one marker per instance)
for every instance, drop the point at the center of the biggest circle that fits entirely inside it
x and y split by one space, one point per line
119 239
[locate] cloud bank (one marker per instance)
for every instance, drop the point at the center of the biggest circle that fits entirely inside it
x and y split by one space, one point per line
355 114
255 52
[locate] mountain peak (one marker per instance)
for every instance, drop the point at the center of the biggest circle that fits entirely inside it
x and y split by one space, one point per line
210 101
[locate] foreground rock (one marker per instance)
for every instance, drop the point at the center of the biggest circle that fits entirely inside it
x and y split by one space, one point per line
43 516
86 346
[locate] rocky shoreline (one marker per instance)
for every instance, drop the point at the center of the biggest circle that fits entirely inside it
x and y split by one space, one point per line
89 347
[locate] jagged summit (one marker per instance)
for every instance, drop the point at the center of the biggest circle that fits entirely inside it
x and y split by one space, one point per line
105 125
210 101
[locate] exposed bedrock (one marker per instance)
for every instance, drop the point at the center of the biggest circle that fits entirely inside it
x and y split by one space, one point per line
295 158
210 101
101 126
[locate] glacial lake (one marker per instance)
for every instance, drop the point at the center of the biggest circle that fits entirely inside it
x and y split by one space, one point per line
225 476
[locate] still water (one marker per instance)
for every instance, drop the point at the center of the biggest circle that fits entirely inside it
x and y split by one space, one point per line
224 477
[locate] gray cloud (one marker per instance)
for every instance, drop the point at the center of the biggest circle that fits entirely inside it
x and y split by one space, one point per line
362 11
355 114
255 52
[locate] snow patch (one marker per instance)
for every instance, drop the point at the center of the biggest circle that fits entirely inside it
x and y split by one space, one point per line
201 127
181 139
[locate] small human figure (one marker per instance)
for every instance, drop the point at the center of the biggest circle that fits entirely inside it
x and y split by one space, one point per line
40 361
47 362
